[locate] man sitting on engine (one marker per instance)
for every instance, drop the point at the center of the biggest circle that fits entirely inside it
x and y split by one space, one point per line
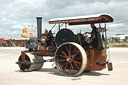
93 39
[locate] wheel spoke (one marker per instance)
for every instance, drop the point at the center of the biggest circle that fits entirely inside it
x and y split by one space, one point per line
74 50
62 60
69 50
76 65
63 64
63 56
76 61
66 66
72 67
64 53
77 52
66 48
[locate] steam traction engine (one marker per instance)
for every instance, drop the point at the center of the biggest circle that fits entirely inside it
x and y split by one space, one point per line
72 55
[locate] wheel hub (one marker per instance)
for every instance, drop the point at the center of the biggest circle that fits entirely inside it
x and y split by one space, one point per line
68 59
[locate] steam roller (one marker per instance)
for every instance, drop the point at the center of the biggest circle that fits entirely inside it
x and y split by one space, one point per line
70 52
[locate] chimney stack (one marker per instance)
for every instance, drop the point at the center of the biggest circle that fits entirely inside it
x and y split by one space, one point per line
39 28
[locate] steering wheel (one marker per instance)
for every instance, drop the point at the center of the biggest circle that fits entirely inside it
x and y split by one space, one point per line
87 37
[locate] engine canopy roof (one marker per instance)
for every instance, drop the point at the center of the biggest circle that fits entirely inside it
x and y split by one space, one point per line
98 18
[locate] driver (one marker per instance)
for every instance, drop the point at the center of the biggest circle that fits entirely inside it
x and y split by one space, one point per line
92 40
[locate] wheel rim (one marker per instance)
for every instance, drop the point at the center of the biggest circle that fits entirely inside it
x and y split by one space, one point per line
70 60
24 67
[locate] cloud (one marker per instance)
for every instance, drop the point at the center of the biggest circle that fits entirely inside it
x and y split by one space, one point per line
115 25
18 13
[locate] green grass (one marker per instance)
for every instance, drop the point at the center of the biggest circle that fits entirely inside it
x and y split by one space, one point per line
112 45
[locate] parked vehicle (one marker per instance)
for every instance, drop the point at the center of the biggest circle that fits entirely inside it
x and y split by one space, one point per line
71 53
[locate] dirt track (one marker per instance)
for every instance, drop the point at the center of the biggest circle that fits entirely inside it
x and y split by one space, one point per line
11 75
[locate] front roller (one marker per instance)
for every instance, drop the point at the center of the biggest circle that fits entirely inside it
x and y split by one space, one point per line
70 59
32 62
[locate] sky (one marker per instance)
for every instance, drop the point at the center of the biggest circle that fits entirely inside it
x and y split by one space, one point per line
15 14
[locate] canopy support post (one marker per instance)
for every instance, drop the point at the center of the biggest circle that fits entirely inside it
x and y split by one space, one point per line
105 36
59 26
65 25
53 26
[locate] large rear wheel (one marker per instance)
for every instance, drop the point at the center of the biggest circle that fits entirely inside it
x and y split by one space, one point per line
70 59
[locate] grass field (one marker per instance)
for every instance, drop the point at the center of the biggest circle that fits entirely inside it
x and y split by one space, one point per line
113 45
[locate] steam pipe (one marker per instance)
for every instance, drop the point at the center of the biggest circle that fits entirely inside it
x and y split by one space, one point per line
39 28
